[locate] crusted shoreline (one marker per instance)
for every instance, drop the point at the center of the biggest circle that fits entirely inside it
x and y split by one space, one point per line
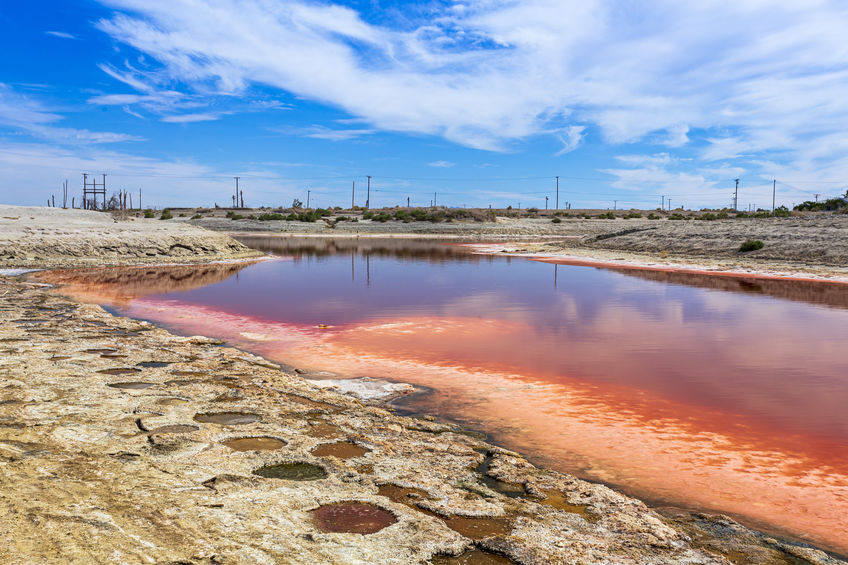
93 472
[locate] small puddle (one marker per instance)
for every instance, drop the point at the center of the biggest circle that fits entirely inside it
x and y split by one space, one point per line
512 490
226 418
153 364
402 495
102 351
172 401
340 449
478 528
131 385
113 356
174 429
119 371
254 443
556 499
292 472
473 557
323 430
352 517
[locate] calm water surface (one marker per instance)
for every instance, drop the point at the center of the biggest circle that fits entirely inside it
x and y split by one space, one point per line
713 392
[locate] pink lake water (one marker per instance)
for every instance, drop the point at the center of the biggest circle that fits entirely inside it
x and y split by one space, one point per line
723 394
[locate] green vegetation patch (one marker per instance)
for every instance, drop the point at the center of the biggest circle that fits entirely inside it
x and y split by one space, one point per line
751 245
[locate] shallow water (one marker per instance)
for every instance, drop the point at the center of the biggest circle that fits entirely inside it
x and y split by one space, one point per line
719 393
352 517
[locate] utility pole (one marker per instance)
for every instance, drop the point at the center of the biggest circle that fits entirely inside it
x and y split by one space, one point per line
773 192
736 197
662 203
104 191
407 202
139 199
615 204
546 202
308 192
368 198
557 194
434 199
352 195
669 204
235 195
241 195
817 197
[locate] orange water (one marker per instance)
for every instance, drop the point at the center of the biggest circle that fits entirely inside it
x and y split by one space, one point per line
723 395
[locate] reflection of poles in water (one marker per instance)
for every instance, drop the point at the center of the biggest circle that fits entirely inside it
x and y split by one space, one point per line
555 274
352 275
368 269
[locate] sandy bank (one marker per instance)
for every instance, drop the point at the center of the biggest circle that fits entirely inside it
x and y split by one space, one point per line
112 447
32 237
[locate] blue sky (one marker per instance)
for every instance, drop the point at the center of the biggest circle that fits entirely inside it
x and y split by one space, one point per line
481 102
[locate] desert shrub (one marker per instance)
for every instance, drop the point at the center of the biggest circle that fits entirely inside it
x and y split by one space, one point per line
381 217
234 216
632 215
653 216
742 215
722 215
751 245
296 203
166 215
367 215
676 216
556 221
436 216
270 217
708 217
149 213
418 215
606 216
781 212
403 215
196 217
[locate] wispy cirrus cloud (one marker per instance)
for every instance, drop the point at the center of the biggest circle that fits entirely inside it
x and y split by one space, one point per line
192 118
61 34
441 164
22 113
323 132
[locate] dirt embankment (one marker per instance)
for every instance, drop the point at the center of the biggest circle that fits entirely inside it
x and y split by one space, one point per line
120 442
33 237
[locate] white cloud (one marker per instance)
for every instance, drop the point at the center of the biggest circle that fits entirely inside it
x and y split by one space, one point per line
570 138
191 118
441 164
61 34
485 73
323 132
25 114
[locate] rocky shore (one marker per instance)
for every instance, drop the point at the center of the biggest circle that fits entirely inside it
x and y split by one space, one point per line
122 442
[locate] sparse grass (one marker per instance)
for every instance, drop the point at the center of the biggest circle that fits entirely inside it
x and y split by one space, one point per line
166 215
751 245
